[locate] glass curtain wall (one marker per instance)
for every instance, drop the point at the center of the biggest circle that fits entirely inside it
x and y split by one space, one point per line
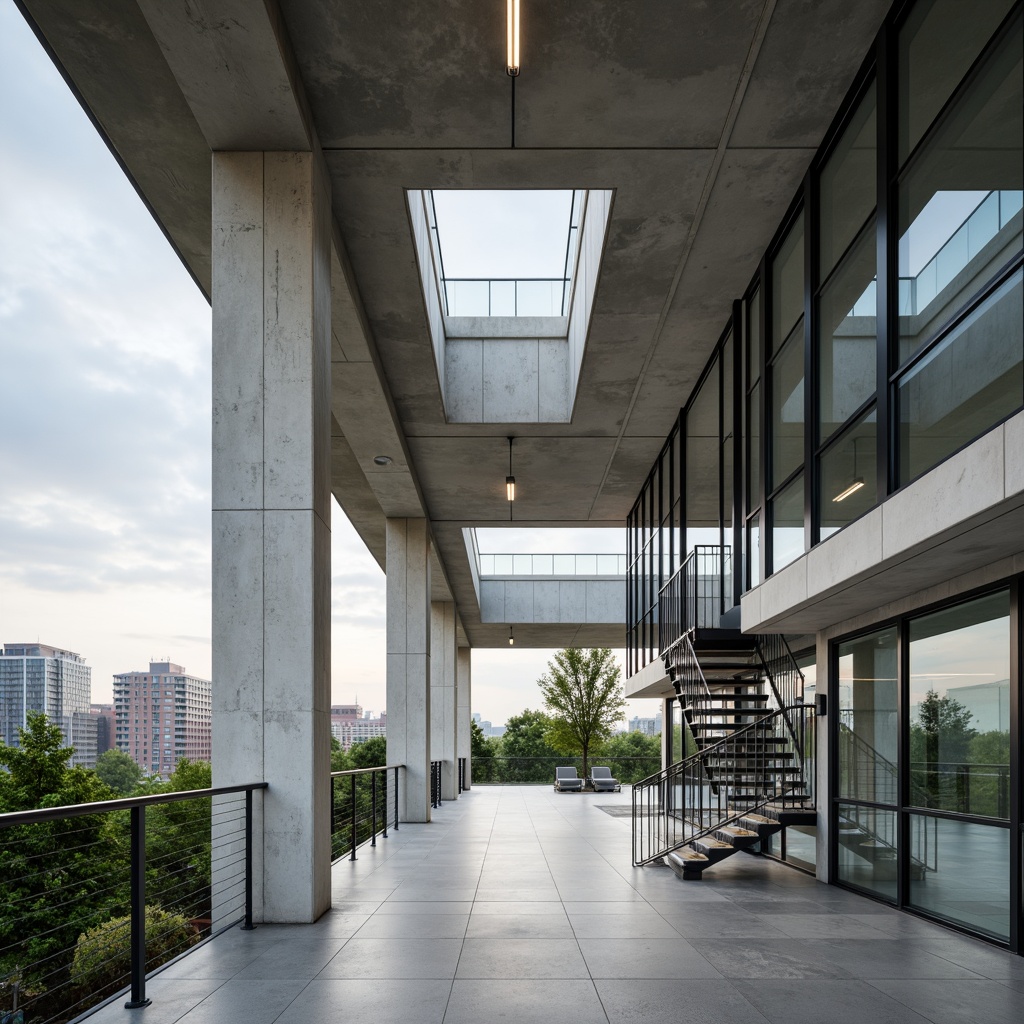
924 805
884 329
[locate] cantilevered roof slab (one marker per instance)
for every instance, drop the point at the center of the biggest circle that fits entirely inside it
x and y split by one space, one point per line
701 118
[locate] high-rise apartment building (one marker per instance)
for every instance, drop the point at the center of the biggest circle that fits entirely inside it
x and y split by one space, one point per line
351 725
105 726
38 677
162 716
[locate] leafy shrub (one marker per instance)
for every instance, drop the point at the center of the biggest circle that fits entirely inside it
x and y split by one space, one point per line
103 953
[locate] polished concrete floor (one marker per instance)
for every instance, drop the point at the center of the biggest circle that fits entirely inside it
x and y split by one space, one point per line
518 904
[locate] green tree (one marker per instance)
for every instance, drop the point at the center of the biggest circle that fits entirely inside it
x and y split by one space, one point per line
584 698
526 754
178 838
371 753
939 740
634 756
119 771
57 878
481 750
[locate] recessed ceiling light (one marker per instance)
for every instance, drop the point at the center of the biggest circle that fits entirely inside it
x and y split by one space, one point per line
382 460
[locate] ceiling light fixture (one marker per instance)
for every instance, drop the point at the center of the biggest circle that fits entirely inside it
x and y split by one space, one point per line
510 481
512 42
382 460
511 638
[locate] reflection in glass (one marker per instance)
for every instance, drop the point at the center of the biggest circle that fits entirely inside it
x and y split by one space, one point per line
753 338
938 43
702 482
960 872
960 200
867 727
802 846
754 550
754 448
968 382
960 708
788 284
847 185
848 482
788 524
846 340
867 847
787 435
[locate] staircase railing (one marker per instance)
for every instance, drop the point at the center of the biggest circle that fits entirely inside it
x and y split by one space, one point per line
785 680
693 597
739 774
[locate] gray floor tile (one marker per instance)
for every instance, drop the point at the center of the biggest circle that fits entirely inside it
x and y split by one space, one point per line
415 926
245 1002
524 1002
888 958
521 958
295 959
171 999
396 906
957 1002
794 1001
622 926
526 926
670 1002
522 908
645 958
823 926
398 1002
780 958
385 959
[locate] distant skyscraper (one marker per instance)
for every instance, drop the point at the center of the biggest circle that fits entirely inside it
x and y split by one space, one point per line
350 725
162 716
648 726
105 727
38 677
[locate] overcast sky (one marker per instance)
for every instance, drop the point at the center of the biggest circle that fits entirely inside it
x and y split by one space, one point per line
105 424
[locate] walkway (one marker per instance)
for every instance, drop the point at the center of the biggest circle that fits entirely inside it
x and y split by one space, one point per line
518 904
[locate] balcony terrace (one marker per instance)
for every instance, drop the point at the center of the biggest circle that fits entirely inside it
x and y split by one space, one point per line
519 904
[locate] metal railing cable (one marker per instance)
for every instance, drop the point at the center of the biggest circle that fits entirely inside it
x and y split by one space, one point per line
364 804
98 895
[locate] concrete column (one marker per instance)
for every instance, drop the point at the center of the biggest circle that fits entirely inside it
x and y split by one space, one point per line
271 515
408 663
443 708
464 706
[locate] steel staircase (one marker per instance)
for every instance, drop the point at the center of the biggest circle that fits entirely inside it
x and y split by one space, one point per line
749 770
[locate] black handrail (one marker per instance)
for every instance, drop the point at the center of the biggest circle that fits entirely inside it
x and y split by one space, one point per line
362 817
739 774
57 965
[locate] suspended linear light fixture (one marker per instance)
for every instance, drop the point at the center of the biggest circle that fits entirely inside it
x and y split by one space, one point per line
512 41
510 481
511 638
857 482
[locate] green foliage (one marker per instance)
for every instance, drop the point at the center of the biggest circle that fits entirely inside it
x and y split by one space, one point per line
56 877
178 842
482 749
118 771
583 696
372 753
641 755
103 954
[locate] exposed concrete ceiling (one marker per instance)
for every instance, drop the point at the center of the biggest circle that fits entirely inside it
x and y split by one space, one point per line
702 117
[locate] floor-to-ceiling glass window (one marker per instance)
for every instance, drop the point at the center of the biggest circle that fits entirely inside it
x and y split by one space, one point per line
959 752
866 741
961 322
924 804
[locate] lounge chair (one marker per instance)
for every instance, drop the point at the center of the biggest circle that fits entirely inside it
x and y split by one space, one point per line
567 780
602 781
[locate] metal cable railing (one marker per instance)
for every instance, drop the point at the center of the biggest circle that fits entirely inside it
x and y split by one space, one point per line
534 771
435 783
363 801
99 895
739 774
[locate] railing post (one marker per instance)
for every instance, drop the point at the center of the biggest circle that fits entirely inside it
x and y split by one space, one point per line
373 808
353 857
138 937
248 926
334 815
385 781
396 798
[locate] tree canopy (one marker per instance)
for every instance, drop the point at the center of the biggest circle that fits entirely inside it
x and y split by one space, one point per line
583 697
119 771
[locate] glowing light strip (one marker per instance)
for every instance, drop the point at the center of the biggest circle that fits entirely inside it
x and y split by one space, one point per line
852 489
512 47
